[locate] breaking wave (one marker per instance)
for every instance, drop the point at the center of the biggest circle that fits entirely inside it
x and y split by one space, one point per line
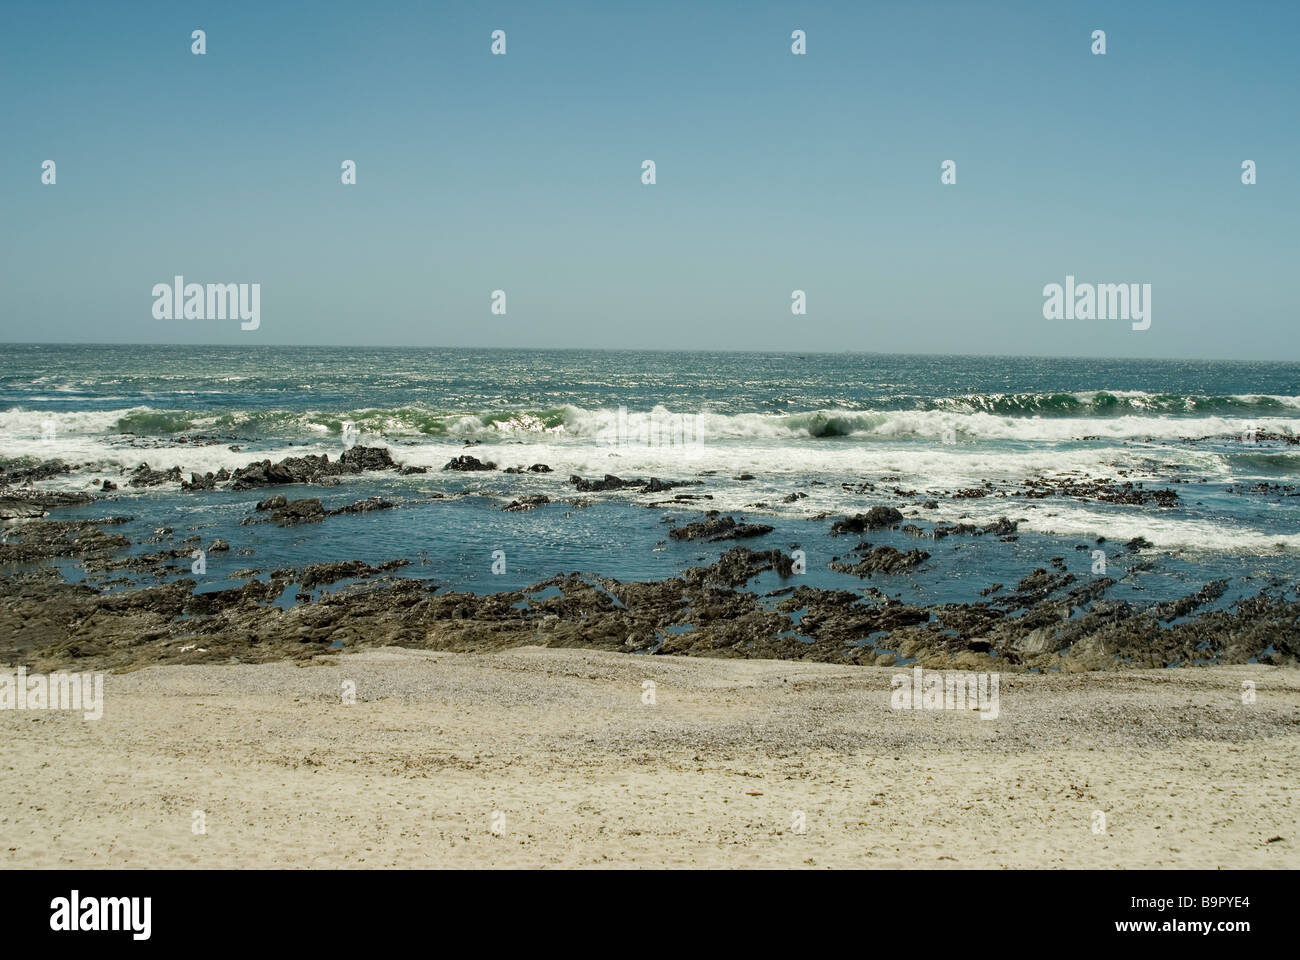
1017 416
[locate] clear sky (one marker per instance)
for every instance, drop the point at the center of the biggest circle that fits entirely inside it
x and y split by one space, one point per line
775 172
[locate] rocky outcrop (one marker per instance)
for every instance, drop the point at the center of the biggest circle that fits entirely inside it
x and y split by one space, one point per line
363 506
22 504
535 468
38 540
1049 622
1001 527
23 471
466 463
526 503
319 574
307 510
144 476
739 565
882 559
874 519
13 508
716 527
312 468
611 482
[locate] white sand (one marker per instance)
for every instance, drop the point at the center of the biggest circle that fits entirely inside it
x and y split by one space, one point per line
585 774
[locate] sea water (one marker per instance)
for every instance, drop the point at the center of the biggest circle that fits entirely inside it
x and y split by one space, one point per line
799 427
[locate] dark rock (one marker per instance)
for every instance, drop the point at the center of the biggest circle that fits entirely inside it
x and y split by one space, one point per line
26 470
12 508
307 510
363 506
317 574
655 485
719 528
361 459
739 565
146 477
526 503
466 462
206 482
316 469
610 482
1001 527
39 540
1180 608
873 519
23 504
47 622
882 559
300 469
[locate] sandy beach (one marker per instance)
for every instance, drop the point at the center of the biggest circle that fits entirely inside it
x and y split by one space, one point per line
535 757
700 437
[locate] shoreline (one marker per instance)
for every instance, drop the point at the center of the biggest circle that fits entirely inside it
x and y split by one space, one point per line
48 624
129 608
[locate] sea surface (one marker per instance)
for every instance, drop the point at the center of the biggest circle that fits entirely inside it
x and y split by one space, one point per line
818 437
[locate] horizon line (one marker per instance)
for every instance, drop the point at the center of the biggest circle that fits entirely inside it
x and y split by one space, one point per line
786 351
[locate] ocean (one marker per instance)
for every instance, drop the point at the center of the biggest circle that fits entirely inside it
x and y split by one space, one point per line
794 441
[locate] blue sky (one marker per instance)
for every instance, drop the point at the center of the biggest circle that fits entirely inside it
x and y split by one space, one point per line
775 172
